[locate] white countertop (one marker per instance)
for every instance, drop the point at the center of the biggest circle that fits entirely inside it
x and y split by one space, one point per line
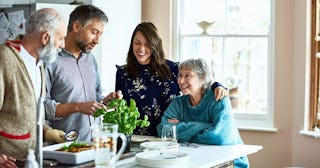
205 156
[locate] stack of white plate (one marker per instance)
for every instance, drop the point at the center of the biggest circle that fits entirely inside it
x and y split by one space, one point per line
160 145
162 159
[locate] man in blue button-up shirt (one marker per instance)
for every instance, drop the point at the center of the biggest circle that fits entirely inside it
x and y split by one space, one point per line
73 84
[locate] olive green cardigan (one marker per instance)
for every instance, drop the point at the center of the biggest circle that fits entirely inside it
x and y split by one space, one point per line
17 104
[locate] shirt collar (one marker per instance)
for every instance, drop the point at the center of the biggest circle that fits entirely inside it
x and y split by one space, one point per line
15 44
29 58
66 53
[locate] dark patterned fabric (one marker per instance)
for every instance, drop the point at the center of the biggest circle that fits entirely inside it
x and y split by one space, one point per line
151 93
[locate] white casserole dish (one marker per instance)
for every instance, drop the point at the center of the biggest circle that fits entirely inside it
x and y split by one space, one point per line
49 152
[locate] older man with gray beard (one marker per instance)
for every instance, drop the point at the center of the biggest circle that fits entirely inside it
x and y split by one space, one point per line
22 82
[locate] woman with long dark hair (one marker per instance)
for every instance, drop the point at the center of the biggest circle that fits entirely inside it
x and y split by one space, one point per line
149 78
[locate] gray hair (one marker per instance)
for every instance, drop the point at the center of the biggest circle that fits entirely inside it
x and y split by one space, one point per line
42 20
201 69
84 14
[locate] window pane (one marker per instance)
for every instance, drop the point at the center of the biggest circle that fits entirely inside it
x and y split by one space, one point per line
226 16
240 63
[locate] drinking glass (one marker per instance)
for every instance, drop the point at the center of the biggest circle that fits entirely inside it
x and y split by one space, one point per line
169 133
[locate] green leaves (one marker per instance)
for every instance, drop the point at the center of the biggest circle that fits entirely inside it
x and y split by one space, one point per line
127 117
74 144
98 113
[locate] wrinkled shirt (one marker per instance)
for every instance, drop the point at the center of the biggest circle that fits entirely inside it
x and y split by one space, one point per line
71 80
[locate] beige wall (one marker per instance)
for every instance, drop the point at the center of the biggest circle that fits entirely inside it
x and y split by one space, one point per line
158 12
286 147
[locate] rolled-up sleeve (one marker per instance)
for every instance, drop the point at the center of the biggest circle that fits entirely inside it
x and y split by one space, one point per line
50 105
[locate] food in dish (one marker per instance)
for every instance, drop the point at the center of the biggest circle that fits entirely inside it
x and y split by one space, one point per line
51 152
76 147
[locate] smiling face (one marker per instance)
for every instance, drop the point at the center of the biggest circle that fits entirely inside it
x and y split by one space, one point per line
189 82
141 49
88 36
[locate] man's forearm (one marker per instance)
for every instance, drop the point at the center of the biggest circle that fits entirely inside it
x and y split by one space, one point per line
66 109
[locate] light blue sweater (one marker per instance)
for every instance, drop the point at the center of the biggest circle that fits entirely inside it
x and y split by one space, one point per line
210 122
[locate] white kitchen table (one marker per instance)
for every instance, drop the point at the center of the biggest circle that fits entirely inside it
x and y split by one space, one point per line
204 156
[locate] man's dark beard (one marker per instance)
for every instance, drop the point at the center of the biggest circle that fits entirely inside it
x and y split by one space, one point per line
82 45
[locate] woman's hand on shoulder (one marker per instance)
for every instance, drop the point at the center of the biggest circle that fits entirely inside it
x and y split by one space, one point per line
220 92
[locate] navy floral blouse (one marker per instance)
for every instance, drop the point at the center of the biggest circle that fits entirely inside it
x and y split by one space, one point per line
151 93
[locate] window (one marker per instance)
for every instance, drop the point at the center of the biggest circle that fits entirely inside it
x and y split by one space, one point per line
235 38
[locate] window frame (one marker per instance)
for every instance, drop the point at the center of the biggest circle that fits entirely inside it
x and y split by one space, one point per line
314 64
247 121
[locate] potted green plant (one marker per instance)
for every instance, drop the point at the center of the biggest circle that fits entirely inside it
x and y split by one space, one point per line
126 116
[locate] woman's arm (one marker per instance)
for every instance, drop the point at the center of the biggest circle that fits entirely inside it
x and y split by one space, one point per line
174 116
219 91
223 130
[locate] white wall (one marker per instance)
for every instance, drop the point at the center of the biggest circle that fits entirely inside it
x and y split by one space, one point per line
123 16
67 9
